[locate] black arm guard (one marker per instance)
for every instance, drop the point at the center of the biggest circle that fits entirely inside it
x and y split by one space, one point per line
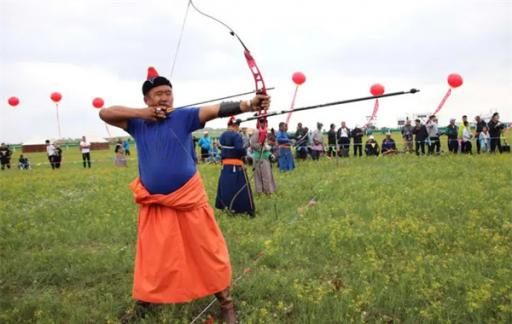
229 108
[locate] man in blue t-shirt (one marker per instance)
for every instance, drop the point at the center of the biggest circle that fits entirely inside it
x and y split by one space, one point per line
192 247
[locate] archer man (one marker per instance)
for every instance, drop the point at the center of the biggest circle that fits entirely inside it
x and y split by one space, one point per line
181 253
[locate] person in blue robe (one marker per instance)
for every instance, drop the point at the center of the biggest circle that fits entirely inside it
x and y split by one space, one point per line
234 191
284 143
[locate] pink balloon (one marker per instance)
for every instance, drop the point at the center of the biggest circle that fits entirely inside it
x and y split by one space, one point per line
56 97
298 78
377 89
455 80
13 101
98 103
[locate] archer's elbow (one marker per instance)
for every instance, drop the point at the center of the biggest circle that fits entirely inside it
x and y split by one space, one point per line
102 114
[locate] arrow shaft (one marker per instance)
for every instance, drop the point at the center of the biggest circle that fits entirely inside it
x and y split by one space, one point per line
334 103
221 98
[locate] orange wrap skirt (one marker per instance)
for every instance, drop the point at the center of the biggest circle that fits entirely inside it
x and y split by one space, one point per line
181 253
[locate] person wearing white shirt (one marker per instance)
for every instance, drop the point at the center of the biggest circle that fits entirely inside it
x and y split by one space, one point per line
85 148
52 154
344 139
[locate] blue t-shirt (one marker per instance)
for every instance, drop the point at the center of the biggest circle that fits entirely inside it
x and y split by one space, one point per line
166 161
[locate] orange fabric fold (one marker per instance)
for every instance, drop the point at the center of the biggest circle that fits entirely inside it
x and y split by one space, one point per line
181 253
232 162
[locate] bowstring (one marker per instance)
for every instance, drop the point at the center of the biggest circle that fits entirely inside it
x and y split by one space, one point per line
178 45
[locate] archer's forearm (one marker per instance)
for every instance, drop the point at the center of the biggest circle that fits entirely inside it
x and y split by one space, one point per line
207 113
119 115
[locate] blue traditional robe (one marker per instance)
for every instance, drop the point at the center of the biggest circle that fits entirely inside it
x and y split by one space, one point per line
233 191
285 160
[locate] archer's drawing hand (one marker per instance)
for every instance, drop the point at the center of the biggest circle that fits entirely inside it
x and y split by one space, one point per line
155 113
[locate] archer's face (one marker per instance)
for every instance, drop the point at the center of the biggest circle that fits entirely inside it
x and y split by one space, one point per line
159 96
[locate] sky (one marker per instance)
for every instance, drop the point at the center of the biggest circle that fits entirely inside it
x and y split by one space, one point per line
102 48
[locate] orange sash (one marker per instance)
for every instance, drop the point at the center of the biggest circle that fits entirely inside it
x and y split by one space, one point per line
232 162
181 253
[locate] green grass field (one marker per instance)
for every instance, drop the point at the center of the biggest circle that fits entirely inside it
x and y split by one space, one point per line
389 240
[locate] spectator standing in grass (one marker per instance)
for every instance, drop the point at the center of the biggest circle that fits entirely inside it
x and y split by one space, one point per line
317 145
331 141
5 156
495 129
480 124
51 152
461 127
301 142
58 160
126 147
85 148
420 137
466 138
433 136
205 143
357 135
452 132
263 177
484 139
407 136
285 159
120 154
344 139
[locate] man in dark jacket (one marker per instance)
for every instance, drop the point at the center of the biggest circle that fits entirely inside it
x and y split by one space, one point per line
5 156
301 142
331 140
495 128
480 124
452 132
357 135
420 137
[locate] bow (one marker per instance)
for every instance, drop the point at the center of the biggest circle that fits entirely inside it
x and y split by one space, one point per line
261 123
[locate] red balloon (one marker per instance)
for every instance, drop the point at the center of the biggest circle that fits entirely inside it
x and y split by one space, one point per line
455 80
377 89
13 101
56 96
298 78
98 103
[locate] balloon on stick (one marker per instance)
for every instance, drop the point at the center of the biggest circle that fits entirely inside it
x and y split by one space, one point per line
298 78
454 81
13 101
98 103
376 89
57 97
